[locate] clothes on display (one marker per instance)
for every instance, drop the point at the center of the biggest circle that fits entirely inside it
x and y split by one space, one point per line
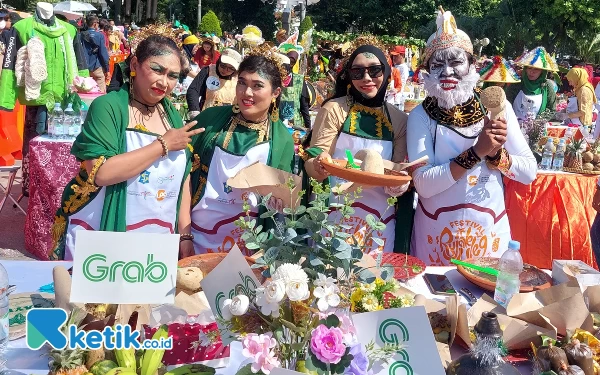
461 218
228 145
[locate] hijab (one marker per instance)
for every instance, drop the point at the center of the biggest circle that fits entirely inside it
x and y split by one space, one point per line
189 42
343 79
536 87
580 76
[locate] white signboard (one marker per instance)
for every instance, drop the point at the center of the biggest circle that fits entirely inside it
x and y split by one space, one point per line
128 268
231 277
409 327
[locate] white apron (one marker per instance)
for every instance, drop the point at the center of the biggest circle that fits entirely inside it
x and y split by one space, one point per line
573 106
151 196
468 219
373 200
527 103
213 217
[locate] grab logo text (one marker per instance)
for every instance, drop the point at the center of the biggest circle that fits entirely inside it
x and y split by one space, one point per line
45 326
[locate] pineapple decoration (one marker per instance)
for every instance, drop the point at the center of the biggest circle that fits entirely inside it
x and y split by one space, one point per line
68 362
573 155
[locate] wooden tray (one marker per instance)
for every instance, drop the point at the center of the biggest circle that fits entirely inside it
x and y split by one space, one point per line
337 167
532 278
580 171
207 262
405 266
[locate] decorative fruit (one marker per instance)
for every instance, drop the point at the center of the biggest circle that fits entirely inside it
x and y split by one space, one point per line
103 367
126 358
588 167
596 158
573 157
189 278
94 356
67 362
152 358
587 157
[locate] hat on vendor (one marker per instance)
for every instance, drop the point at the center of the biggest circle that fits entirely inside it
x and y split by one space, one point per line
191 39
447 35
231 57
398 50
538 58
498 70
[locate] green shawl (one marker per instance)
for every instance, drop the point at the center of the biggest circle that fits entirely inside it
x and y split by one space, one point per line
103 134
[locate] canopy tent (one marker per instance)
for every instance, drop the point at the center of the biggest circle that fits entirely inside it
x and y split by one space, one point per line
73 6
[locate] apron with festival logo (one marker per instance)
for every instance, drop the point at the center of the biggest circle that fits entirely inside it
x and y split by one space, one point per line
219 92
214 216
527 103
468 219
373 200
151 196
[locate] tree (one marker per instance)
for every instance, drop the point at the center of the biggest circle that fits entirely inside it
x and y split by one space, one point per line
305 25
210 24
252 12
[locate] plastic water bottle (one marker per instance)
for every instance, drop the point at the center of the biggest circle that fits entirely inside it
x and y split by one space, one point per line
3 316
57 122
559 156
547 154
69 122
508 283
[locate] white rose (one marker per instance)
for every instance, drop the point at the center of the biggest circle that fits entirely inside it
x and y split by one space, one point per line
289 272
225 310
297 290
274 291
239 305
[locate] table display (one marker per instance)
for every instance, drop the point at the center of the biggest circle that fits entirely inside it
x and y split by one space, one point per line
552 217
51 167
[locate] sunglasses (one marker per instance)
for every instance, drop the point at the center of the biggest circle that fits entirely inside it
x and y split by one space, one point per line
375 71
227 67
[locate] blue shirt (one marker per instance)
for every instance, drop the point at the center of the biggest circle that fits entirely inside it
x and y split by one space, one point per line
96 52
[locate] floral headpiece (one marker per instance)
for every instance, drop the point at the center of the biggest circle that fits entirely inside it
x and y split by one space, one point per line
538 58
498 70
273 56
135 37
447 35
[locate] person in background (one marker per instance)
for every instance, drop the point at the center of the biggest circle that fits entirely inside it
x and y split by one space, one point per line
580 108
595 230
295 102
190 45
215 85
207 54
498 72
97 53
105 28
399 62
126 29
281 36
130 139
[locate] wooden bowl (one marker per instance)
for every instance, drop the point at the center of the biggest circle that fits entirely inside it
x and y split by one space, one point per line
532 278
337 167
207 262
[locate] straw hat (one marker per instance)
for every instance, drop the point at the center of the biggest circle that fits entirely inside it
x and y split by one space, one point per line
498 70
538 58
446 36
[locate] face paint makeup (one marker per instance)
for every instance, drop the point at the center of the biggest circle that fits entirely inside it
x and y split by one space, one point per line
369 55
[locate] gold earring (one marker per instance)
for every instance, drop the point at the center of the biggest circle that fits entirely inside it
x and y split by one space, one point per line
348 89
132 74
235 108
275 112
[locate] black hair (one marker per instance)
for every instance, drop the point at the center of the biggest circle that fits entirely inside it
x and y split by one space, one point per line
104 25
265 68
155 45
90 20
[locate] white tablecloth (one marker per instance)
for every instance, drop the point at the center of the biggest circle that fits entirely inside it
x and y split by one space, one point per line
29 276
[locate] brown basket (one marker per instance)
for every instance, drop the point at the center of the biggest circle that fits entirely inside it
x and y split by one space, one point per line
337 167
580 171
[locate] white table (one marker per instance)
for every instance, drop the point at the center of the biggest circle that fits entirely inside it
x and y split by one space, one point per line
29 276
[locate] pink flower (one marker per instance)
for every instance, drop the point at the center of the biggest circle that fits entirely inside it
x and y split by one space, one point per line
346 325
256 345
327 344
265 362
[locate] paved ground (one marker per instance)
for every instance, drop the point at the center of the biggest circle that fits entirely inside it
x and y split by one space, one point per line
12 223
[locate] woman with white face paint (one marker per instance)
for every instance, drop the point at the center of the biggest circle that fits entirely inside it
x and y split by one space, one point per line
461 211
357 118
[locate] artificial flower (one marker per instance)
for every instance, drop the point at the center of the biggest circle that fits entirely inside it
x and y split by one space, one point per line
266 307
326 297
348 329
274 291
379 282
288 273
325 281
265 362
297 290
360 362
255 345
239 305
370 302
327 344
368 288
225 310
407 301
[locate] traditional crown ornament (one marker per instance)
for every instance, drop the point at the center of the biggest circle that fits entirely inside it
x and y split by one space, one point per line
498 70
135 37
447 35
538 58
271 54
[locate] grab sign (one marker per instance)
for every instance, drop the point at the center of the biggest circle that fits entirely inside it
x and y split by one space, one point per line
117 267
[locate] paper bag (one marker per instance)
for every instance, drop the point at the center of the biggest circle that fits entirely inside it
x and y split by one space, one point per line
592 298
517 334
263 180
561 306
444 351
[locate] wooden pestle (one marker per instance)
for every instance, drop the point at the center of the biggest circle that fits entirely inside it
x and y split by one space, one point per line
493 99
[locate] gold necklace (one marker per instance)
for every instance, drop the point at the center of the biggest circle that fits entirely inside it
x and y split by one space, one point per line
261 128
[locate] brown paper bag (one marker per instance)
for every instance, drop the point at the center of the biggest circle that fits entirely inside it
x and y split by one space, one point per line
193 304
444 351
562 307
592 298
263 180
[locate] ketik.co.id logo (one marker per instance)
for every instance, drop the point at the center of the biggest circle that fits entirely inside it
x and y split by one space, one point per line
44 326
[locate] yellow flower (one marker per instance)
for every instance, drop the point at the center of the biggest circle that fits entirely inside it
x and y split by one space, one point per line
370 302
367 287
379 282
407 301
356 296
379 307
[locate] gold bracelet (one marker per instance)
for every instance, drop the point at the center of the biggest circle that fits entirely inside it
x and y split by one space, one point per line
164 146
186 237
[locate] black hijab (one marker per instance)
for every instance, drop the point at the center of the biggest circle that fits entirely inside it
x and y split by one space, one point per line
343 79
